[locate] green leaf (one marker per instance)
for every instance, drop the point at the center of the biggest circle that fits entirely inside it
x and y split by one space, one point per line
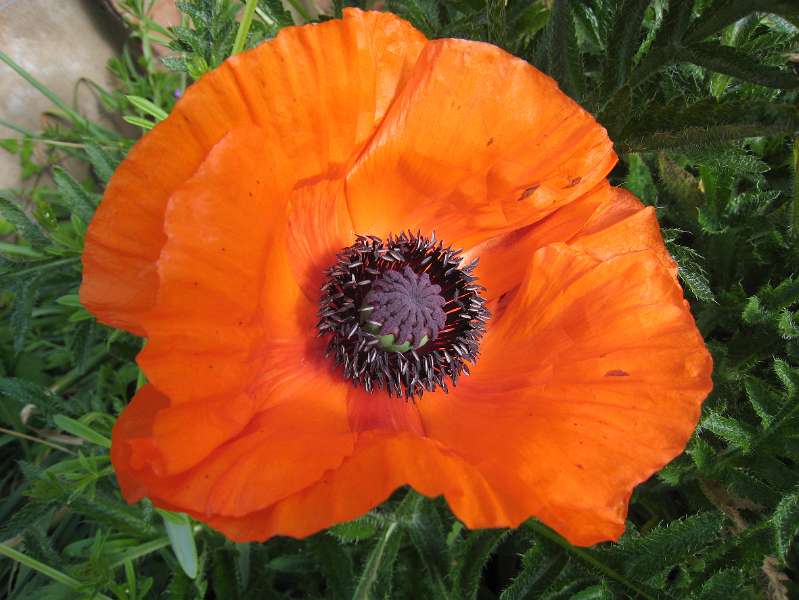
733 62
138 122
625 38
102 161
722 13
541 565
735 433
224 576
595 592
80 430
422 13
25 226
359 529
763 400
147 107
27 392
25 293
10 145
426 533
336 565
181 537
471 556
785 523
723 585
75 197
669 545
563 58
787 376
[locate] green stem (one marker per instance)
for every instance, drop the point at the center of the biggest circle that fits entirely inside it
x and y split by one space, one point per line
19 250
372 569
298 6
44 569
586 556
244 26
36 440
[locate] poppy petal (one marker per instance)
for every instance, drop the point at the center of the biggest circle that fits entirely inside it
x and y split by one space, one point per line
604 222
322 89
379 411
381 463
318 92
226 287
591 380
285 448
125 237
319 228
478 142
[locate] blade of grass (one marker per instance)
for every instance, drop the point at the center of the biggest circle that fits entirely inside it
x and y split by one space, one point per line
45 570
72 114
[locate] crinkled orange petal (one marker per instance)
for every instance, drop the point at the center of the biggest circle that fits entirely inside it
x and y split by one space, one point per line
379 411
591 380
381 463
606 221
226 287
125 236
318 93
319 228
285 448
477 143
322 89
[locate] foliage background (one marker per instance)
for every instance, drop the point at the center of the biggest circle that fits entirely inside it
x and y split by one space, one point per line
700 98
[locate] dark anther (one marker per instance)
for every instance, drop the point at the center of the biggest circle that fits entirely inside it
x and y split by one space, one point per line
402 314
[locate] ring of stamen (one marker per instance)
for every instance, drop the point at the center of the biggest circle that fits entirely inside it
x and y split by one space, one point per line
402 314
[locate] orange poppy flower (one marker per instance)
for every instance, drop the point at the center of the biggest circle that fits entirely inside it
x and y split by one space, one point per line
273 240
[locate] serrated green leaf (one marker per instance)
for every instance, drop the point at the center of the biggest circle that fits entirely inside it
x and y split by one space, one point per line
723 585
764 402
734 432
25 226
353 531
422 13
722 13
785 523
74 196
426 533
471 556
787 376
25 292
733 62
102 161
625 39
562 51
541 565
335 564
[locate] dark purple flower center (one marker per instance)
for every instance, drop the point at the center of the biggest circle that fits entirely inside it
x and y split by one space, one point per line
407 306
402 314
